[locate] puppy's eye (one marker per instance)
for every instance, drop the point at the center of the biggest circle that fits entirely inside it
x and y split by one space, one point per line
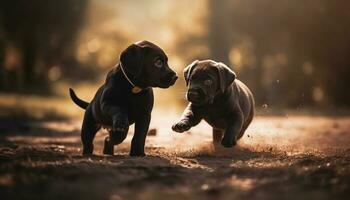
208 82
158 63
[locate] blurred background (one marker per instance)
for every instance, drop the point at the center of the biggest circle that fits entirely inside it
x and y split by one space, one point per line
292 55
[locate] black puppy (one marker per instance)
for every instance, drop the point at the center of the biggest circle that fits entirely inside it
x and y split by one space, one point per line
126 97
218 97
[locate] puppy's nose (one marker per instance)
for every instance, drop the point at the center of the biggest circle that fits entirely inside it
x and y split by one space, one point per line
194 95
175 77
171 76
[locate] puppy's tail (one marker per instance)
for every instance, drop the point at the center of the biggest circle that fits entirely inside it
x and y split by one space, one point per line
82 104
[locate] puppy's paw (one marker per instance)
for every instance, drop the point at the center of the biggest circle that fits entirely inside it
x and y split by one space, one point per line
137 154
228 143
181 126
108 148
88 150
120 124
87 154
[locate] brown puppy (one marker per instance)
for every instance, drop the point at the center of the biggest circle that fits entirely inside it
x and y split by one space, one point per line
126 98
216 96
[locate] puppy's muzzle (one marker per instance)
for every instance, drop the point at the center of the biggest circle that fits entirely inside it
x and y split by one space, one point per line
195 95
170 78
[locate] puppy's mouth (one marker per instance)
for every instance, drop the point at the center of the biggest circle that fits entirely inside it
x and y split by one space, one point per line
197 97
167 81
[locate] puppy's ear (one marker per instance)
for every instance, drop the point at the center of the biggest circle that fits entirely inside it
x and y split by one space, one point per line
226 76
188 70
132 59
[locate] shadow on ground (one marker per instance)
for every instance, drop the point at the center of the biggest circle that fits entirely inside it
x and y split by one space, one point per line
42 160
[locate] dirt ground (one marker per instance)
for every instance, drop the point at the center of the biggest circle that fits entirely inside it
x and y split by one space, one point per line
280 157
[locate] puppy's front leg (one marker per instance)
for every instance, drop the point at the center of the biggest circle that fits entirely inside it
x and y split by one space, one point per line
114 138
117 113
120 127
139 138
190 118
232 132
119 116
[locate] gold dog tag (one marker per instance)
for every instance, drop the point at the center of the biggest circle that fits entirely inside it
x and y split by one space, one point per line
136 90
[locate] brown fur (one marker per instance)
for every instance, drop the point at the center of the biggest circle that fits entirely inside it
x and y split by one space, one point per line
216 96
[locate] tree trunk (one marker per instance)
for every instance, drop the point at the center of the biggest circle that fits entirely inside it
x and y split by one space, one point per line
2 65
219 30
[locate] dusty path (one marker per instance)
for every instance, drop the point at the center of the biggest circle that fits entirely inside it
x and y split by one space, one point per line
279 157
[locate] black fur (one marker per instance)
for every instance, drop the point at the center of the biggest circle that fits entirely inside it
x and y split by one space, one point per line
82 104
116 107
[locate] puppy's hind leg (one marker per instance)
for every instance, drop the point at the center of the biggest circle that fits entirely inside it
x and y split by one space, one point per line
114 138
244 128
232 132
247 122
88 132
217 136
